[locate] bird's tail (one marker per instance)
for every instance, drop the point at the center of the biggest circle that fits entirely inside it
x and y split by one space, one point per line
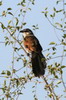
38 64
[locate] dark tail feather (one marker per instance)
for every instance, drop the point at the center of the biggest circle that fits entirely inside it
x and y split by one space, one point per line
38 64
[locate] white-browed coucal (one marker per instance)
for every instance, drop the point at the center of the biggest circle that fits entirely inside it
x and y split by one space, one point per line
33 46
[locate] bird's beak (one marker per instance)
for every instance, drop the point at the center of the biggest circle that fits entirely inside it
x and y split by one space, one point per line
21 31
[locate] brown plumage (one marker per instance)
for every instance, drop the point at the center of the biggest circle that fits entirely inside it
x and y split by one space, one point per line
33 46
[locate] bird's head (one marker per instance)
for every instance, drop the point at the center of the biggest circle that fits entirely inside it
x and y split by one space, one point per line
26 32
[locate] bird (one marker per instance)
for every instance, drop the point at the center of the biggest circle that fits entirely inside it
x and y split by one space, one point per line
32 46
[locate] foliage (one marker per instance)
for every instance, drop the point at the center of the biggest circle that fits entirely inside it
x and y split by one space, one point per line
14 80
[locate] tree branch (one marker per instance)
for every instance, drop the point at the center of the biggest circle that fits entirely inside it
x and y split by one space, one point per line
50 89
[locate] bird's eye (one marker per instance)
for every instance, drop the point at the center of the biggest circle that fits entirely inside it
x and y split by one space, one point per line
27 33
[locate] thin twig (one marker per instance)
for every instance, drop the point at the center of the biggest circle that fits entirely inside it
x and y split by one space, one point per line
2 42
16 40
24 16
25 13
52 47
63 45
54 25
50 89
56 57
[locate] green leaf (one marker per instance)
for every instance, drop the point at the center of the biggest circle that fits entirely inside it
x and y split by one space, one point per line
7 42
53 48
0 3
53 53
46 13
61 71
35 98
54 9
18 27
51 15
57 2
17 21
52 43
3 89
3 72
64 3
23 23
2 26
23 1
9 9
20 93
4 13
29 9
33 86
65 50
17 83
64 36
23 5
46 8
18 4
9 21
6 38
56 76
58 82
63 66
2 99
64 26
50 95
64 43
8 72
34 26
48 54
57 64
10 13
24 11
33 2
9 26
4 82
15 49
42 12
60 25
59 10
14 71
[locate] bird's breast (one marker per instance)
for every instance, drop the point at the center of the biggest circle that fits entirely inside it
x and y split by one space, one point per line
29 43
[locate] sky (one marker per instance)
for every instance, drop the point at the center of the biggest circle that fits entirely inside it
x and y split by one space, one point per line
46 34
